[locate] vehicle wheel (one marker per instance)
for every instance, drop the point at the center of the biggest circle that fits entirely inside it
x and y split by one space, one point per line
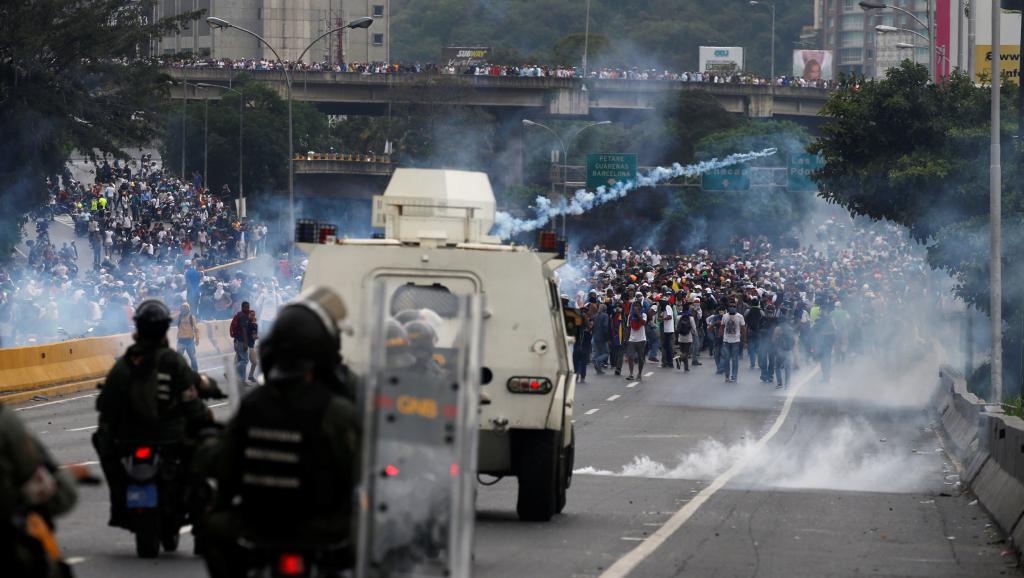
147 535
538 473
170 538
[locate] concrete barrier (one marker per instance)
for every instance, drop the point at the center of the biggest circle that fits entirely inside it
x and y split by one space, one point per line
85 360
990 449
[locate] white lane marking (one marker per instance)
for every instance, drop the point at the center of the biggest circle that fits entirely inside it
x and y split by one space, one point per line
633 384
53 402
185 529
614 397
623 566
218 404
82 464
648 374
74 560
633 539
88 427
592 411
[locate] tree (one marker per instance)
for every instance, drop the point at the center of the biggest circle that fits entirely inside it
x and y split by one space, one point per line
914 153
265 138
71 79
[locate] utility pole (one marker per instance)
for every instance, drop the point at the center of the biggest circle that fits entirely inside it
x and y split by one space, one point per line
586 40
971 39
995 207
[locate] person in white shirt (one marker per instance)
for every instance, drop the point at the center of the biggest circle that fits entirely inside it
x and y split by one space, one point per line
668 332
734 335
636 325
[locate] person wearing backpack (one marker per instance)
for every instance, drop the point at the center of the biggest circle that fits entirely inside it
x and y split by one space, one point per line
239 330
686 330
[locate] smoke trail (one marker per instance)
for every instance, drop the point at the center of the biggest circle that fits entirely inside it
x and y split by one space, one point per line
505 225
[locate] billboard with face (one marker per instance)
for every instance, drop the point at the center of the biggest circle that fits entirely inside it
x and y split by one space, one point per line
812 65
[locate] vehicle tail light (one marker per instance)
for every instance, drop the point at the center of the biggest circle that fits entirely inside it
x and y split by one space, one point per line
143 453
391 471
291 565
540 385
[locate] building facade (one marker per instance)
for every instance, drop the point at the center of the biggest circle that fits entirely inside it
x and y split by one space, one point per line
849 31
288 25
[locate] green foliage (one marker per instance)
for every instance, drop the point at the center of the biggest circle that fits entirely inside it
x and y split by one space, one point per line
645 33
265 137
64 87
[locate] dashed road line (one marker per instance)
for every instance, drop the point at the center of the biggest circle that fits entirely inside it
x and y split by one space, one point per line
74 560
614 397
626 564
185 529
86 428
633 384
82 464
648 374
55 402
592 411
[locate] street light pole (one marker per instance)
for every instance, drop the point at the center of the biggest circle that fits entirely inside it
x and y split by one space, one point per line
184 123
241 141
215 22
586 40
995 207
565 155
206 139
929 26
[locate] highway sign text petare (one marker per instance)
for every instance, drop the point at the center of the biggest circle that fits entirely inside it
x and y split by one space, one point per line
608 169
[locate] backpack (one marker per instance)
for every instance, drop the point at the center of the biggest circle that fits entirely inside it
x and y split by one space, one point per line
234 330
684 325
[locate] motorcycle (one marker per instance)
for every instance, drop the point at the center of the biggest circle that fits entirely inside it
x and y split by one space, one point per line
281 560
155 515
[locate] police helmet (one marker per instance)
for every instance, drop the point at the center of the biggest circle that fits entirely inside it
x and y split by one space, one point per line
421 335
305 336
152 319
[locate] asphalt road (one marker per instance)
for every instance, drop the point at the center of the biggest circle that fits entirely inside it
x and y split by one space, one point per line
684 475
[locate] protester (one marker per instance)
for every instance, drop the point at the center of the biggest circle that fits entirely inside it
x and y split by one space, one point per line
188 335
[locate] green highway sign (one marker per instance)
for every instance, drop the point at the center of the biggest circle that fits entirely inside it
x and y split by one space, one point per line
611 168
799 174
731 178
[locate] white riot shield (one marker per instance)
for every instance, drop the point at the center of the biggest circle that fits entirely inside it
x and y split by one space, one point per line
420 433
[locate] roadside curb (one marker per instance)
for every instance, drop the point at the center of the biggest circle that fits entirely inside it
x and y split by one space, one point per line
51 392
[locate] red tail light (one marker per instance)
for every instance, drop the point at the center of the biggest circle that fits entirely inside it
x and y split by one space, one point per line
539 385
391 471
143 453
291 565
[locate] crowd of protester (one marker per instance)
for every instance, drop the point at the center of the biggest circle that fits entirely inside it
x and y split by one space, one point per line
487 69
844 296
148 235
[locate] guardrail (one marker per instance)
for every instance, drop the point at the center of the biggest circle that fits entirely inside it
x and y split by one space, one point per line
990 448
85 362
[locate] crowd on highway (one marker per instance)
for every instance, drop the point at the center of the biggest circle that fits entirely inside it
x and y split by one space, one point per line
503 70
148 235
838 298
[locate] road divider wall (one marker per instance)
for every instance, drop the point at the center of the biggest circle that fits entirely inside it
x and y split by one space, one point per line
989 447
86 360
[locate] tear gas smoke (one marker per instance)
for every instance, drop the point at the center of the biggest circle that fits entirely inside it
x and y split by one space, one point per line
505 225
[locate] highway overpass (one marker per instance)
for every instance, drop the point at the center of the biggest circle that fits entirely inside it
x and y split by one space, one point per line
350 93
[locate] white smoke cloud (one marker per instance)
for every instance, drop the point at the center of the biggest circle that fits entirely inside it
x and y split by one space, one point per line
505 225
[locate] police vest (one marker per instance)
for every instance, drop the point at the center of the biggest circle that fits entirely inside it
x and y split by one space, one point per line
281 479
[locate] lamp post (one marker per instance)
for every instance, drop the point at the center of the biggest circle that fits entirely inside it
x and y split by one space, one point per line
995 208
929 26
565 152
220 23
770 5
241 118
586 41
206 128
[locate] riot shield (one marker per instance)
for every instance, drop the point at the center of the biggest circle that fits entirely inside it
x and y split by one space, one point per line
420 434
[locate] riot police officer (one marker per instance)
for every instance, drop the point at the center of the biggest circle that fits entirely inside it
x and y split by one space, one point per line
33 490
289 459
151 394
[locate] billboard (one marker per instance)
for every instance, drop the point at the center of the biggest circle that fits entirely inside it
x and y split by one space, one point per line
1009 63
465 55
812 65
721 58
